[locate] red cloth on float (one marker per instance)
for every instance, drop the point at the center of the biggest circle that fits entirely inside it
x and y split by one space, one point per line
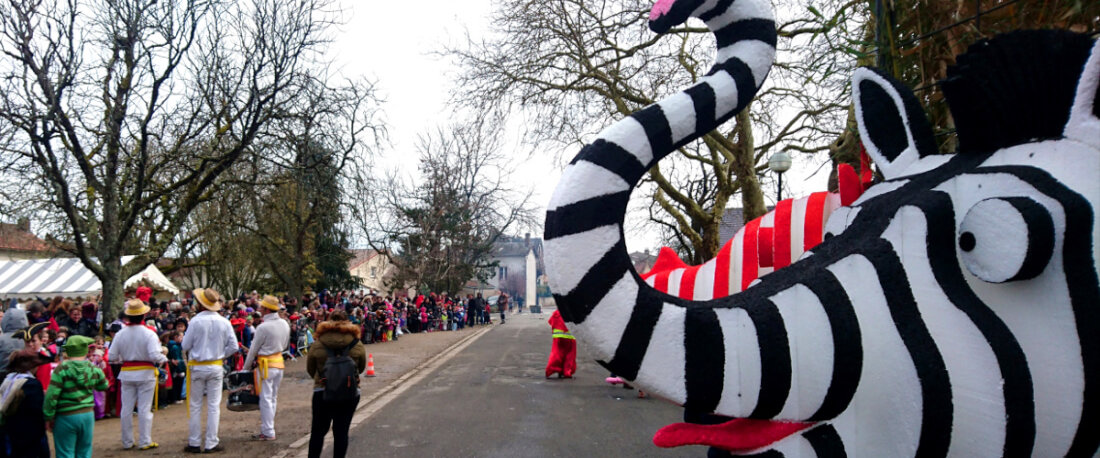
563 352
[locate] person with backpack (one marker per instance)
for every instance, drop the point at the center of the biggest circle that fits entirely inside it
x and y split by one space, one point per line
334 361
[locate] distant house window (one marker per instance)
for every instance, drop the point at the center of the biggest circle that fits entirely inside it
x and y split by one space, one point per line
373 272
503 273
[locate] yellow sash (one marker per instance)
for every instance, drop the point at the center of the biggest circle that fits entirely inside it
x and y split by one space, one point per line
191 362
273 361
156 378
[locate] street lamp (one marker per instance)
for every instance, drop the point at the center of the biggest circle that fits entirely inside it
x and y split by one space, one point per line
779 162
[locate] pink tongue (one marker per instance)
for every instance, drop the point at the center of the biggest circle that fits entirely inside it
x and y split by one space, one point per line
660 8
737 435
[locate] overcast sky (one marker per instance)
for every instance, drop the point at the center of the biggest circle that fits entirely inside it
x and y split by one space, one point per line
393 42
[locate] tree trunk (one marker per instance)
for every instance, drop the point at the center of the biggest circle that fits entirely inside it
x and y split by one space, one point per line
708 248
744 167
111 300
295 289
845 149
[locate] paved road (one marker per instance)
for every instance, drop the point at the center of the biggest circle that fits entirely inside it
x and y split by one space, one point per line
492 400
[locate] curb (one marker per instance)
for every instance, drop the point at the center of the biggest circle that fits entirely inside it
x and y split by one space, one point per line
372 404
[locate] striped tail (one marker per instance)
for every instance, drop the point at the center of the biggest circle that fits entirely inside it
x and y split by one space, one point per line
765 244
586 254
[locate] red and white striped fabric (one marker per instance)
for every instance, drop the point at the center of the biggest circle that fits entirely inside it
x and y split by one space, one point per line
767 243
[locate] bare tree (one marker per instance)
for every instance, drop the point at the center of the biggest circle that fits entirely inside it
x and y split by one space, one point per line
575 65
126 114
282 214
439 230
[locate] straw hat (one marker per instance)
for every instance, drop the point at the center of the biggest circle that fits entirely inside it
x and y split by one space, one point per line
208 299
135 307
270 302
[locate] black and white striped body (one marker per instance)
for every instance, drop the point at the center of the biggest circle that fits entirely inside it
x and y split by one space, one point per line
898 336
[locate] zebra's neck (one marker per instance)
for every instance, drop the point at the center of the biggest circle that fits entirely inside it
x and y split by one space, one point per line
746 39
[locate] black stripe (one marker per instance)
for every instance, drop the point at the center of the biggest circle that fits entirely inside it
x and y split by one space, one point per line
702 96
742 77
747 29
715 452
775 358
1040 237
605 365
577 304
614 158
657 130
825 441
916 123
768 454
588 214
937 407
718 9
632 348
1084 293
705 359
847 344
1017 388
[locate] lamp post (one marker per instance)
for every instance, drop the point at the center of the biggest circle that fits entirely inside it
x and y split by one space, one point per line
779 162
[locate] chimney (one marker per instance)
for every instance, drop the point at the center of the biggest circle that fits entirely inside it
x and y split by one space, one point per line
24 224
527 239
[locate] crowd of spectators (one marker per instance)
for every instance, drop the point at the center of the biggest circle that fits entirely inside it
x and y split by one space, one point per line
41 328
380 319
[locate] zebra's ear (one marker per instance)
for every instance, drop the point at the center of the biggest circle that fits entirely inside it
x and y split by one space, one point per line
1084 116
891 122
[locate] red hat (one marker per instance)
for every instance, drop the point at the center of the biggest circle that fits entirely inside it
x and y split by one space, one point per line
144 293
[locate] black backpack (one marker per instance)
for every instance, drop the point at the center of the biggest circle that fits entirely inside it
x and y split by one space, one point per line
340 376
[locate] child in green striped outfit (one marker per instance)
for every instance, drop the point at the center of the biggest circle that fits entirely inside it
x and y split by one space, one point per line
69 400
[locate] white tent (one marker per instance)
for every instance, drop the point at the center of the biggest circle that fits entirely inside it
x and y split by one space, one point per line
67 277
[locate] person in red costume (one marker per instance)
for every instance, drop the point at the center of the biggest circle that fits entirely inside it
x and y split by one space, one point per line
563 354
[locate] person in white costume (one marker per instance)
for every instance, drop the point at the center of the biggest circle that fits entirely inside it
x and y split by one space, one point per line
138 349
209 340
266 354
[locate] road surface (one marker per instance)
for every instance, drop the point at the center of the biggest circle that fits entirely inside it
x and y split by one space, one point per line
491 399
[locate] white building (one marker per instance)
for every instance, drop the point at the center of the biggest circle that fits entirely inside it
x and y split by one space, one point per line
519 265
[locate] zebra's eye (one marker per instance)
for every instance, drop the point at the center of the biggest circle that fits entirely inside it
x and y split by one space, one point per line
1006 239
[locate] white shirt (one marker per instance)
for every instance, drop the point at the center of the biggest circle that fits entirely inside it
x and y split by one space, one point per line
272 336
209 337
136 343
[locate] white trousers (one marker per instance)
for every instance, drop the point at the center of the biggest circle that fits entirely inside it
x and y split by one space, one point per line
269 395
206 381
139 393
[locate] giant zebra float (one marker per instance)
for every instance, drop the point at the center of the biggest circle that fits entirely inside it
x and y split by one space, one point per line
951 309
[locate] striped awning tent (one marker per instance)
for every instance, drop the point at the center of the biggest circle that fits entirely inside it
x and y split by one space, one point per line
27 279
